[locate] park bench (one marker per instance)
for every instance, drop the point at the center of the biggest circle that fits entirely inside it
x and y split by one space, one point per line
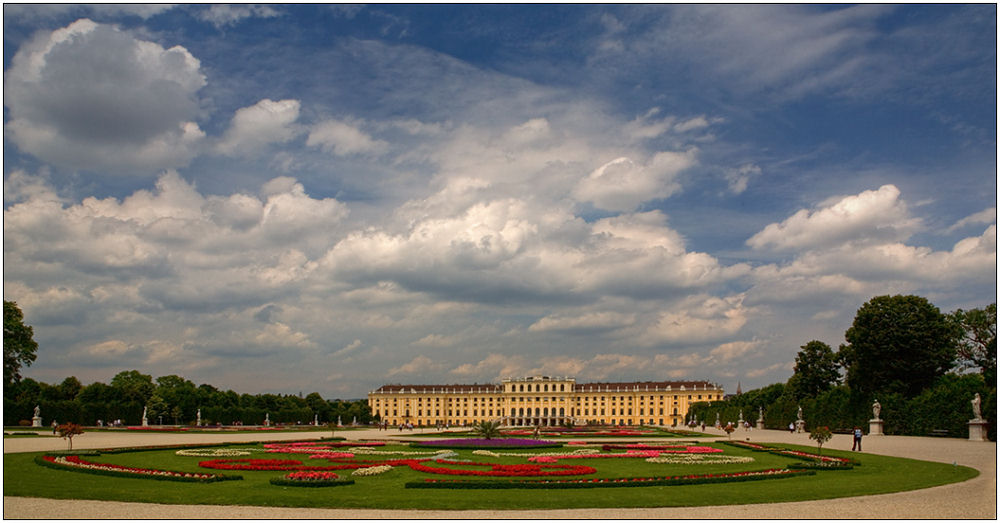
939 433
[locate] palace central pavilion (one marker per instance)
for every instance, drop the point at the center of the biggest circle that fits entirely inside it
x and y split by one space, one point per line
542 400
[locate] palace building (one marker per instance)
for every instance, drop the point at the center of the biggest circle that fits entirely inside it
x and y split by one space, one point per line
542 400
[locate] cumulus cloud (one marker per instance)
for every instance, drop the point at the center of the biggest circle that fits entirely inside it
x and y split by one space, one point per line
261 124
343 139
92 96
622 184
869 217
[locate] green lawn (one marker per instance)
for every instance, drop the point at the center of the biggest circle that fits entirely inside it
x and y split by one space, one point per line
877 474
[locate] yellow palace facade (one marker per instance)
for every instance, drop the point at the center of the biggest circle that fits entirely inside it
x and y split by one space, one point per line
542 400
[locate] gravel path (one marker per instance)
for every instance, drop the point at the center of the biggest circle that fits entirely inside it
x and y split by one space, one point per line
973 499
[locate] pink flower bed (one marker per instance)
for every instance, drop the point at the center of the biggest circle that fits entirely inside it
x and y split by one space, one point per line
630 454
503 470
78 462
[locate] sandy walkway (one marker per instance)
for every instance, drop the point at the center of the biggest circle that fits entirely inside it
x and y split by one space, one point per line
976 498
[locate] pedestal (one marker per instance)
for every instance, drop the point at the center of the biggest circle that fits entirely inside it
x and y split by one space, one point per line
145 422
36 421
875 427
760 424
800 426
977 430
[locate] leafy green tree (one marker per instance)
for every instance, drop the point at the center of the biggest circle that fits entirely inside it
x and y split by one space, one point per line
816 371
19 346
897 344
977 347
821 435
133 386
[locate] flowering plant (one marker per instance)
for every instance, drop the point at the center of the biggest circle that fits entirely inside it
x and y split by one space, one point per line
491 443
75 462
310 479
690 479
372 471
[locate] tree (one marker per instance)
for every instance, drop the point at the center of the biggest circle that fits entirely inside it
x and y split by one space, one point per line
133 386
977 347
68 430
897 344
486 429
19 346
821 435
816 371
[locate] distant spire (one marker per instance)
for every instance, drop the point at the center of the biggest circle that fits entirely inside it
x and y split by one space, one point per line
739 390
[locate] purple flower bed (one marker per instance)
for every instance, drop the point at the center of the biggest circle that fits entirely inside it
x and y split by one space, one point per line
504 443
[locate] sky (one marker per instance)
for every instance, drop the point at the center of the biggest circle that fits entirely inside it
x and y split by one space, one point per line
331 198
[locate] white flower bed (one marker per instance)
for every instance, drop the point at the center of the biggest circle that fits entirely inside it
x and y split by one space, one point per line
369 450
577 452
695 459
372 471
212 453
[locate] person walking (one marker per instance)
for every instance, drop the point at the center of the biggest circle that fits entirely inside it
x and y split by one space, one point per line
857 439
791 428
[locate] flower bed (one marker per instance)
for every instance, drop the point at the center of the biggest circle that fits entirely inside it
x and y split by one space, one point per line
293 464
311 479
781 451
76 463
212 453
692 479
666 449
629 454
158 429
503 470
504 443
696 459
372 471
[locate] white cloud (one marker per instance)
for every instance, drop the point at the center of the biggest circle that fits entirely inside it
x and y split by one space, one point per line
622 184
986 216
224 15
416 367
740 177
343 139
595 321
73 95
869 217
261 124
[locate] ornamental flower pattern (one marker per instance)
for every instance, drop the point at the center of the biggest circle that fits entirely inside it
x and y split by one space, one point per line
76 462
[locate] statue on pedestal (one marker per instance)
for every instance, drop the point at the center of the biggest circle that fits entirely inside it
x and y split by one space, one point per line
38 411
876 409
800 413
976 402
198 423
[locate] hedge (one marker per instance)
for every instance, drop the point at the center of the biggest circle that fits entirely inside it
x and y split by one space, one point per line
607 482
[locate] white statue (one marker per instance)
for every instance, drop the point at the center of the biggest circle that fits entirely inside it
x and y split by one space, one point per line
876 409
267 419
800 412
199 418
144 413
761 413
976 401
38 412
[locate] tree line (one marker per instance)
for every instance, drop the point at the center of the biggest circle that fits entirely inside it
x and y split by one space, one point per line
171 400
923 367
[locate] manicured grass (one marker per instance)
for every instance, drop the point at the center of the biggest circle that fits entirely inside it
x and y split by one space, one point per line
876 475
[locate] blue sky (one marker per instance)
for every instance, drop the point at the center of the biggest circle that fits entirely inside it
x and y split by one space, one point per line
312 197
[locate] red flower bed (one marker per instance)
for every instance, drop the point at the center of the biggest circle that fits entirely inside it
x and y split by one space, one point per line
503 470
294 464
306 475
158 429
77 462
